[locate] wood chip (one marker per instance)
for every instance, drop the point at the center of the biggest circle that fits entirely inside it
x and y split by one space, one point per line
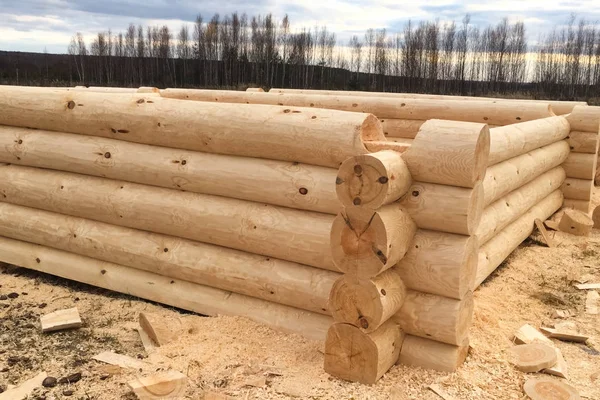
146 341
24 389
60 320
566 336
158 330
576 222
588 286
533 357
549 389
551 224
163 385
559 369
437 389
528 334
540 225
591 302
121 360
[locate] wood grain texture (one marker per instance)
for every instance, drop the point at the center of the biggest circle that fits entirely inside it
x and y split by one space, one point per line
581 205
162 385
510 141
310 136
581 165
440 263
583 142
376 146
435 317
482 111
585 119
284 233
283 183
576 223
507 209
449 153
492 253
365 243
267 278
445 208
24 389
61 319
578 189
401 128
170 291
367 303
353 355
504 177
429 354
548 389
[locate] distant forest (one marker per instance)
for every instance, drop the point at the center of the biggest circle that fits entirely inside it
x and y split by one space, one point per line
238 51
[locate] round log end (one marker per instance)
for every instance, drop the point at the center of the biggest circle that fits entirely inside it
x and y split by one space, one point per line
482 154
475 210
465 316
533 357
549 389
371 130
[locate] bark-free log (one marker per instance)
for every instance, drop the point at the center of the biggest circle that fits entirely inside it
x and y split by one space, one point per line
367 303
103 89
435 317
445 208
581 165
353 355
498 248
284 233
257 90
513 140
585 119
511 174
162 289
576 223
372 180
232 270
510 207
283 183
429 354
365 243
449 153
583 142
581 205
440 263
483 111
578 189
311 136
401 128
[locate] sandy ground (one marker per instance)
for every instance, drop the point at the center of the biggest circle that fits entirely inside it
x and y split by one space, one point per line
229 356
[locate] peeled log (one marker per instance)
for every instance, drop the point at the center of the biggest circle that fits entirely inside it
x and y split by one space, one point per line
576 223
401 128
498 248
162 289
440 263
310 136
510 207
280 232
283 183
482 111
581 205
219 267
583 142
585 119
449 153
429 354
372 180
445 208
365 243
503 178
436 317
578 189
355 356
581 165
367 303
510 141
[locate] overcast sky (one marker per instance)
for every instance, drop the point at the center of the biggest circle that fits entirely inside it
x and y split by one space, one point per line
35 25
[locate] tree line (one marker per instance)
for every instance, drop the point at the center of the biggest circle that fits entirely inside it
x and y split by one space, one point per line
237 50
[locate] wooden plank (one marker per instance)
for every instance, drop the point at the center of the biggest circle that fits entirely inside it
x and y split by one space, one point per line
24 389
528 334
588 286
121 360
591 302
560 369
540 225
60 320
563 335
163 385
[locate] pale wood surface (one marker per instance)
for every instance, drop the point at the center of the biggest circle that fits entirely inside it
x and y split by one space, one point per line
311 136
284 233
507 209
528 334
532 357
401 128
161 332
61 319
268 278
353 355
445 208
500 246
259 90
566 336
174 292
483 111
585 119
549 389
372 180
121 360
596 217
429 354
449 153
367 303
578 189
545 234
375 146
23 390
283 183
161 385
435 317
583 142
513 140
581 165
440 263
503 178
365 243
581 205
592 302
576 223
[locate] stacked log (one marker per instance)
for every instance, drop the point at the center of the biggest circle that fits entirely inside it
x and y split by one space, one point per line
581 165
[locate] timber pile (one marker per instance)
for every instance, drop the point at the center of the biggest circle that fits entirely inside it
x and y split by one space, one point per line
285 214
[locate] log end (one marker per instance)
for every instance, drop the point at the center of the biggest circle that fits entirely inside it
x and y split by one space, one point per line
371 130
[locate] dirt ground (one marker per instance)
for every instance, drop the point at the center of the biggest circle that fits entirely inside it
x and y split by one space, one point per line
230 356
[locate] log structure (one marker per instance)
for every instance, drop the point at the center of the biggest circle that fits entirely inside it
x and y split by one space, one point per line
365 221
